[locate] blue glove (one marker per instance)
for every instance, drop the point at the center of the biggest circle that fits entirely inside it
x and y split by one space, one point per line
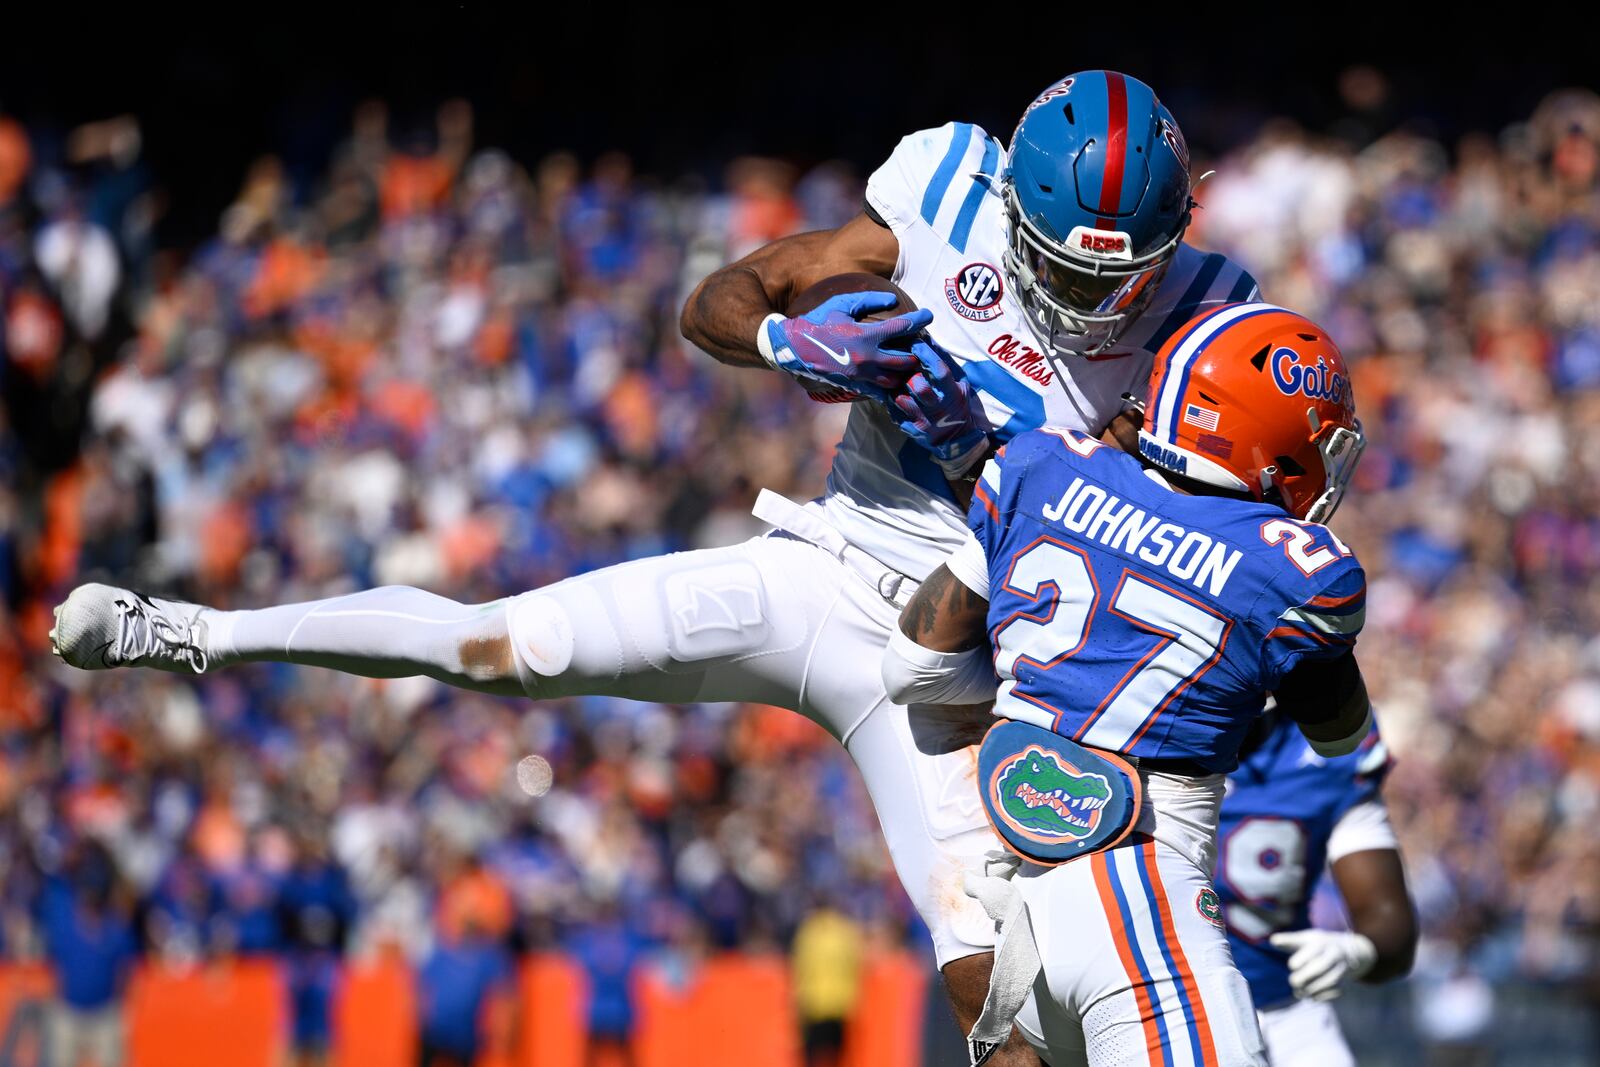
828 344
936 410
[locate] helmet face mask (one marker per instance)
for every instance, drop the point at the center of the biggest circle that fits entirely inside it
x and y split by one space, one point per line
1341 451
1077 306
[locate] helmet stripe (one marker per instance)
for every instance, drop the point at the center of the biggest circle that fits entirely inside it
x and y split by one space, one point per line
1171 373
1176 382
1116 152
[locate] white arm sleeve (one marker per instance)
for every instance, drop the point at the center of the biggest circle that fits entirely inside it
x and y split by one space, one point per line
970 566
1344 746
1363 828
916 675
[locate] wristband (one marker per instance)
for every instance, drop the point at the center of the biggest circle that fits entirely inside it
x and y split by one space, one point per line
962 464
764 340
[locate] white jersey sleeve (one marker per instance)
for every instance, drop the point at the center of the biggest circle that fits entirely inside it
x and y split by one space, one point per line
1364 828
970 567
933 184
1196 283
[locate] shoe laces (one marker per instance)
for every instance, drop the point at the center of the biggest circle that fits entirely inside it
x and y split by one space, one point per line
144 632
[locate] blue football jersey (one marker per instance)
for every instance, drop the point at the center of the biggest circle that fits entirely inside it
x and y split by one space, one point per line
1280 810
1141 620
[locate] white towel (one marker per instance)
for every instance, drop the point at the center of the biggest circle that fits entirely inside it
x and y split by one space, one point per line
1016 958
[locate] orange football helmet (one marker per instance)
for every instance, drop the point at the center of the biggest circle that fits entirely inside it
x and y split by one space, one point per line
1257 399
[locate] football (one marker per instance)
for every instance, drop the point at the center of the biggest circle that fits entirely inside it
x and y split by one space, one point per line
854 282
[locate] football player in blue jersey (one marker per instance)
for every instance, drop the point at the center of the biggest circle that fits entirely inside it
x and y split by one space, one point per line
1129 615
1288 814
1049 272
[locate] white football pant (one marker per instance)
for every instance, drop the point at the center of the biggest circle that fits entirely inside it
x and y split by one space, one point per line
775 620
1304 1033
1135 966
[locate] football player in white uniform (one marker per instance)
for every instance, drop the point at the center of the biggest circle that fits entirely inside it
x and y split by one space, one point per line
1048 273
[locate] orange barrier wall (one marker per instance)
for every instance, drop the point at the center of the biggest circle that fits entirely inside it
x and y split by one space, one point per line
553 998
231 1012
21 982
886 1028
375 1014
735 1010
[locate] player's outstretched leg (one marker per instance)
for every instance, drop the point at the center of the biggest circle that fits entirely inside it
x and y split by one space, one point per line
391 632
735 623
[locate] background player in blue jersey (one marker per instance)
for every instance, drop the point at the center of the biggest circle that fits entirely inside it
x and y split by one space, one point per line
1049 271
1288 814
1139 611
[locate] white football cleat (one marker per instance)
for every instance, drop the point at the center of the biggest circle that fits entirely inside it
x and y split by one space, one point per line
100 626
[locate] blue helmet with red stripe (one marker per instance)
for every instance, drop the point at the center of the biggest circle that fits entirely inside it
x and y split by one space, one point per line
1097 200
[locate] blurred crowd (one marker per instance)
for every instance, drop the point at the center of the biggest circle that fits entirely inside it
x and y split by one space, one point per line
437 366
431 367
1464 286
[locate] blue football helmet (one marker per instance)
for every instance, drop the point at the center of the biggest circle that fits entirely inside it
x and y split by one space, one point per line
1096 192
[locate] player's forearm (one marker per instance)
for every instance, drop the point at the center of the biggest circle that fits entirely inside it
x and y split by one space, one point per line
1375 893
1394 934
945 614
1373 884
725 311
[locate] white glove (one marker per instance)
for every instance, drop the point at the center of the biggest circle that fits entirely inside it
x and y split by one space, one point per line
1323 961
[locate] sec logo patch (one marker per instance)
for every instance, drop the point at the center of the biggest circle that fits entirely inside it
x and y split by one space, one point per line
974 293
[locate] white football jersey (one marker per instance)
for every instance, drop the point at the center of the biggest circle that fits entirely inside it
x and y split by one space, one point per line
939 193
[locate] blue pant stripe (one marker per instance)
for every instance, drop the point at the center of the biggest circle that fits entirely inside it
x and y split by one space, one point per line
1138 954
1166 955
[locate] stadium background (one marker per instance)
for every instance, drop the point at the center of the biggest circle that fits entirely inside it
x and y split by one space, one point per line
307 306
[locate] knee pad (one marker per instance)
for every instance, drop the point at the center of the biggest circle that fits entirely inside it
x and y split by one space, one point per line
541 635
